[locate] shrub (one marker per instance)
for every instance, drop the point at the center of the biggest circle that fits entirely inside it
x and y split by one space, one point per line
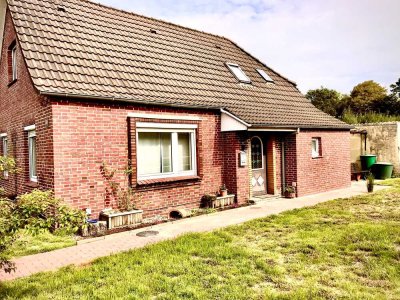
371 117
206 200
40 210
36 211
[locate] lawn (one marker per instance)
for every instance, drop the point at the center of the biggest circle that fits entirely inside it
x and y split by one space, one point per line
347 248
27 244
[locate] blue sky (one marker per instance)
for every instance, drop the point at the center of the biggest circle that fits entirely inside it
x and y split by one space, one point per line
331 43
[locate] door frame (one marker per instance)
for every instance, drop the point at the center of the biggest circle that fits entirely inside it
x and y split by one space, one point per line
264 166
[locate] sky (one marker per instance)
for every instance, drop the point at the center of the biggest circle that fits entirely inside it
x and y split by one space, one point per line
332 43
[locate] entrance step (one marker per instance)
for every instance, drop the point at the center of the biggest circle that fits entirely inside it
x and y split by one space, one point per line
264 198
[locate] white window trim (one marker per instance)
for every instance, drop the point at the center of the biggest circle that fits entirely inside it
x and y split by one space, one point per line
163 117
165 125
31 133
315 154
174 129
232 65
265 75
30 128
14 62
4 141
262 153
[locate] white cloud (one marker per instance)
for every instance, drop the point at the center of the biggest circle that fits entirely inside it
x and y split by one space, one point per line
336 44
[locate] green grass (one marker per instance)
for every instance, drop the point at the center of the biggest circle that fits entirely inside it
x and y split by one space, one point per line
347 248
27 244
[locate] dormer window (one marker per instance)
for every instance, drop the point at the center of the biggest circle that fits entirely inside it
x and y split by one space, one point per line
265 75
12 62
238 72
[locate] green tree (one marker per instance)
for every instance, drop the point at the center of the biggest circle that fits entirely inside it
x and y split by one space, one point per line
366 96
327 100
395 88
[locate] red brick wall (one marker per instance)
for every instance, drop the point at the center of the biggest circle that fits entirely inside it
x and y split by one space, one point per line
329 172
20 106
236 178
88 134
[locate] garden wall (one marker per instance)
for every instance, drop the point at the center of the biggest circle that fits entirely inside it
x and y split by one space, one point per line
383 140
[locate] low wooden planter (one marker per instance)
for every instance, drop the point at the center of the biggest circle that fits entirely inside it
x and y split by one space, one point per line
223 201
116 219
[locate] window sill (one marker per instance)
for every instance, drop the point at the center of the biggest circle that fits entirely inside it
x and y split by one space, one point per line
32 184
317 157
167 180
12 82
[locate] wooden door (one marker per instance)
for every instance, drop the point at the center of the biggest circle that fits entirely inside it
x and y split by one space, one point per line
259 179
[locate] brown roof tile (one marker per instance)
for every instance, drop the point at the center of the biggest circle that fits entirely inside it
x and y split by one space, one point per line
95 51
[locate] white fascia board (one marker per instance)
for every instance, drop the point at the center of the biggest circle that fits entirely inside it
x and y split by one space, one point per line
269 129
230 122
163 117
30 127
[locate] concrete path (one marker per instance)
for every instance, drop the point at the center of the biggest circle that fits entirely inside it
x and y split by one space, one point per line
86 252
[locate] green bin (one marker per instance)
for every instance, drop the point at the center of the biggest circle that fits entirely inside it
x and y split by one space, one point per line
382 170
367 161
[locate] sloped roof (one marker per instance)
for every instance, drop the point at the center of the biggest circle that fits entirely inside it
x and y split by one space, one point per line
90 50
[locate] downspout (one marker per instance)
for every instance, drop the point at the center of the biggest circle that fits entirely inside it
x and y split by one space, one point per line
283 174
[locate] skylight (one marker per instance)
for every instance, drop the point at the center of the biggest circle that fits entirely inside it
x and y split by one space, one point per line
264 75
238 72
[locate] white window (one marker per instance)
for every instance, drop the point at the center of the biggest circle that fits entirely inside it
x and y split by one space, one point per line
32 155
5 150
238 72
264 75
316 147
165 150
14 63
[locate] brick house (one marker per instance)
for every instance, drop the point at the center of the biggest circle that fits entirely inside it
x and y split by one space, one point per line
82 84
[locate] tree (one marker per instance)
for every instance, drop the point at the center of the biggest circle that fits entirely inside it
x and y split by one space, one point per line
327 100
395 88
366 96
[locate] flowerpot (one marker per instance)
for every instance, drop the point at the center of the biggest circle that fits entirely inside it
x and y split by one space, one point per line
221 202
116 219
224 193
370 188
290 195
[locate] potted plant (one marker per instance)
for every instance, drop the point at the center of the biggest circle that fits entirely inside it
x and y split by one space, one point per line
208 200
290 191
125 213
223 191
370 182
212 201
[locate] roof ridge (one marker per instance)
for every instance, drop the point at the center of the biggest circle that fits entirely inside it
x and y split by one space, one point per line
154 19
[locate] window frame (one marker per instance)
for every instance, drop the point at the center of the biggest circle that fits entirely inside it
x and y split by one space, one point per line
262 153
13 72
231 66
265 75
4 143
31 135
317 153
174 129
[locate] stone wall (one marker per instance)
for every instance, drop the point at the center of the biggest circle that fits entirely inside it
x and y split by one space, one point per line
383 140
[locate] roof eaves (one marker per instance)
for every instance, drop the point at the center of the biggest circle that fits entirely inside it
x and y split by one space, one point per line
129 100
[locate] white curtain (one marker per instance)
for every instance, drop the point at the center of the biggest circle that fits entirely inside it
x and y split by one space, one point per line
184 157
154 153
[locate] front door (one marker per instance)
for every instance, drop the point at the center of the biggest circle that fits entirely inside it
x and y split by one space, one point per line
259 179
